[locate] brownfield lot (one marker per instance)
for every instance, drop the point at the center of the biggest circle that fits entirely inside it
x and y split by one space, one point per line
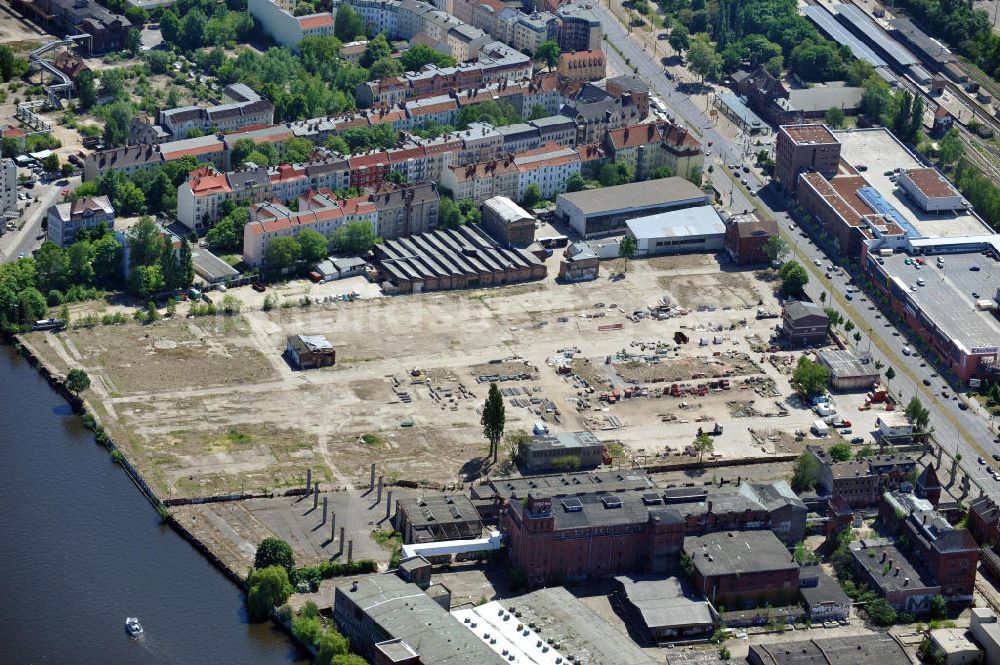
207 406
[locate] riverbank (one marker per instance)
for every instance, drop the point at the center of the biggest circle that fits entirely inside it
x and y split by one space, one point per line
89 551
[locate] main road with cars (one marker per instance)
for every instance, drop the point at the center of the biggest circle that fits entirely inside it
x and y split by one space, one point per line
958 429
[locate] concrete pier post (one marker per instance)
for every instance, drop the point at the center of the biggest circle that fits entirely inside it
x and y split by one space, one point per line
381 483
309 480
350 551
371 483
341 550
316 496
325 503
388 504
333 525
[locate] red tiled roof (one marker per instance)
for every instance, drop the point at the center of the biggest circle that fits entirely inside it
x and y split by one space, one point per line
209 184
371 159
595 56
315 21
287 173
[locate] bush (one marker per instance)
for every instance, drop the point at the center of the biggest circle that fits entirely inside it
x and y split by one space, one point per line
274 552
307 629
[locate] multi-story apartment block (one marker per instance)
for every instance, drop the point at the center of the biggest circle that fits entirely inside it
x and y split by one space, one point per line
579 28
582 65
65 220
319 211
246 108
482 180
531 30
278 20
648 146
200 198
8 185
548 167
405 210
519 137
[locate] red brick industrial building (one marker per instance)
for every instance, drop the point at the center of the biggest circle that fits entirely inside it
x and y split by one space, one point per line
584 529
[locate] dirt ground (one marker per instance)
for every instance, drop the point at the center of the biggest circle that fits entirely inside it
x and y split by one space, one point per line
208 405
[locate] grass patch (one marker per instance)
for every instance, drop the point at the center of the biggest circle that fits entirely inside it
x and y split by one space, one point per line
387 538
236 436
370 439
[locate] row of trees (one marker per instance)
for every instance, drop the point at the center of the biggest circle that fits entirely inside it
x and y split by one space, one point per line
311 246
148 191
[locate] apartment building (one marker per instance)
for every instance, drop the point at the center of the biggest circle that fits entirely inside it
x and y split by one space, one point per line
200 198
548 167
278 20
579 28
246 108
648 146
65 220
405 210
319 211
589 65
482 180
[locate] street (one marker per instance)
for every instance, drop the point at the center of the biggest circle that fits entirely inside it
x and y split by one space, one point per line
25 240
967 433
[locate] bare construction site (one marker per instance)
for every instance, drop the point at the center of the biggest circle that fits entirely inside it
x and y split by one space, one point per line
207 406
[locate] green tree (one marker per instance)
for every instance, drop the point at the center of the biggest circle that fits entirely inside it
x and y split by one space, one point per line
133 41
679 38
170 26
51 163
793 278
144 242
6 63
901 120
107 255
939 607
493 420
145 280
890 374
532 195
268 588
384 68
185 265
703 60
354 238
86 89
575 182
880 612
415 57
950 147
348 24
282 252
776 248
307 629
297 150
841 452
376 49
660 172
809 378
538 112
274 552
331 644
313 244
77 381
618 173
817 60
805 472
79 259
834 117
117 120
916 120
548 52
703 443
626 249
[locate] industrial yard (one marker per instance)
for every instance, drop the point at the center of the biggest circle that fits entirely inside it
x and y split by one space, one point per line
217 409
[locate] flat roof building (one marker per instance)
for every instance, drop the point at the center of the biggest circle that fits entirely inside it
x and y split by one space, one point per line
379 614
847 370
556 614
555 451
601 211
310 351
801 148
210 267
742 567
868 649
930 191
688 230
746 236
437 517
804 323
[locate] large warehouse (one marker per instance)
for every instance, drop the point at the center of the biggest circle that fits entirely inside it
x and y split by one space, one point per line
462 258
689 230
597 212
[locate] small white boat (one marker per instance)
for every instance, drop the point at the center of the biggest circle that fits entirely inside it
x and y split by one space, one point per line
133 626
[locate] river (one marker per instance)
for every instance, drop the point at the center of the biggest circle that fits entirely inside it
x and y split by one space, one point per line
81 549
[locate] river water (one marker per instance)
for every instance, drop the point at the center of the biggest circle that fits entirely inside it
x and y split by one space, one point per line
81 548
